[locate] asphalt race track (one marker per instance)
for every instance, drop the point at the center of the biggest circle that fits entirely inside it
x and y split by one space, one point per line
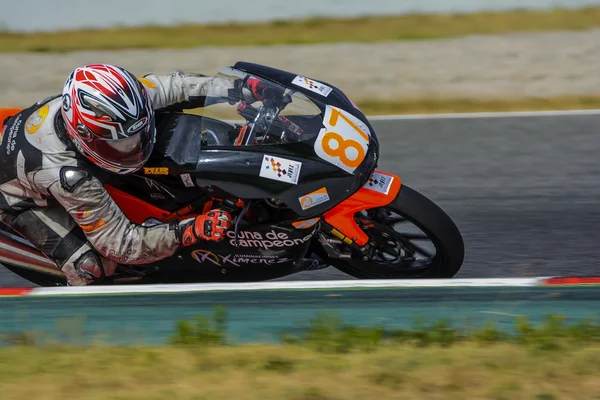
525 191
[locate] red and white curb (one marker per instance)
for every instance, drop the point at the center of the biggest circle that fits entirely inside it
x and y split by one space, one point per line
302 285
8 292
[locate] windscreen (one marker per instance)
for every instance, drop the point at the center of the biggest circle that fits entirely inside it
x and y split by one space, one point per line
258 111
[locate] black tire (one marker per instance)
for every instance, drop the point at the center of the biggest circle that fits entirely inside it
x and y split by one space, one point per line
439 229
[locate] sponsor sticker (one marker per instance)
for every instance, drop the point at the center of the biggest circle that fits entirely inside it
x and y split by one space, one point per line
236 260
128 255
2 134
36 119
379 182
156 171
344 141
280 169
187 180
158 187
138 125
313 199
82 214
11 135
268 240
94 226
306 223
312 85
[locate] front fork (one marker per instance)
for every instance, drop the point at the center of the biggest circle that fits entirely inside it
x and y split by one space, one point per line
339 222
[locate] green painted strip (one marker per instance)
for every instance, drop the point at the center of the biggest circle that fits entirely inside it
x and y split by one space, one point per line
263 315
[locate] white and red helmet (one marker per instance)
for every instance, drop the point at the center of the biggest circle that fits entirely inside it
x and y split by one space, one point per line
109 117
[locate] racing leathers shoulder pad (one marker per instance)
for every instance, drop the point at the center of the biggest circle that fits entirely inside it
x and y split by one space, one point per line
73 177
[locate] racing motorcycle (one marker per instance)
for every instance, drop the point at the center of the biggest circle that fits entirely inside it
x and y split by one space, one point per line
298 172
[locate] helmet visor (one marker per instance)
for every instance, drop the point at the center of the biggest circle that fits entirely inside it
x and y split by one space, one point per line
127 152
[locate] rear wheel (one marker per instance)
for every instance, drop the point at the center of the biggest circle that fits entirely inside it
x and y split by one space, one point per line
409 238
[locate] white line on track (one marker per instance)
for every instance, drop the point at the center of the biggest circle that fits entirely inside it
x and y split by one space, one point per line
556 113
290 285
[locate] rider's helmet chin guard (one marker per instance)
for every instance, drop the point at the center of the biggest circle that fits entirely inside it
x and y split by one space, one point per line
109 117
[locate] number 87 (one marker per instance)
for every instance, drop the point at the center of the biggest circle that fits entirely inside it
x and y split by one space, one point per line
336 143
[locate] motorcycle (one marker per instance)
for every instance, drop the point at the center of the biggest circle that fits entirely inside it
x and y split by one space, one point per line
297 170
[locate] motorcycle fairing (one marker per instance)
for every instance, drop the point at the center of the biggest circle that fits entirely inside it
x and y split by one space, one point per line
6 113
336 97
236 171
341 217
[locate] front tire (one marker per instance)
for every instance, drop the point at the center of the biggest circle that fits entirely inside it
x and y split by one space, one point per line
392 254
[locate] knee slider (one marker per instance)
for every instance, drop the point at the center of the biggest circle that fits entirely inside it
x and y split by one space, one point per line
89 266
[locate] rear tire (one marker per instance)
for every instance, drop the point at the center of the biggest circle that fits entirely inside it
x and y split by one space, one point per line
437 227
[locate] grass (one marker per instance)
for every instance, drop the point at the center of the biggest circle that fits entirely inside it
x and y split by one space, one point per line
311 31
326 361
465 371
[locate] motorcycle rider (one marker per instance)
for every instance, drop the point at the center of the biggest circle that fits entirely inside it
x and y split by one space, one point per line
49 152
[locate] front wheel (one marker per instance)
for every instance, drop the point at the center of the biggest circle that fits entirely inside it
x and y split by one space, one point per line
396 235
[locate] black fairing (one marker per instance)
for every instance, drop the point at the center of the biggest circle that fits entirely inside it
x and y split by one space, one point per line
242 180
218 166
336 98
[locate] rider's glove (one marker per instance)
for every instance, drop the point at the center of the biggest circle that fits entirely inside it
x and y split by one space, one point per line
210 226
254 89
249 90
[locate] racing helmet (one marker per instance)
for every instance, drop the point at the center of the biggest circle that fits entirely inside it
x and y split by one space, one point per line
109 117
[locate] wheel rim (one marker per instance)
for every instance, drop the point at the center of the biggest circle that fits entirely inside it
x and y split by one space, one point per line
397 242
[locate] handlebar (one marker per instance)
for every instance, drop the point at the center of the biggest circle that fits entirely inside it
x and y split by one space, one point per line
263 118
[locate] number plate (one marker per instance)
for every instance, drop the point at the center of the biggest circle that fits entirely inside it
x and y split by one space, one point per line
344 141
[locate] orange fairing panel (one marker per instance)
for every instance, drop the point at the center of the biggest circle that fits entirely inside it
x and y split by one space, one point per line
8 112
136 210
374 194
